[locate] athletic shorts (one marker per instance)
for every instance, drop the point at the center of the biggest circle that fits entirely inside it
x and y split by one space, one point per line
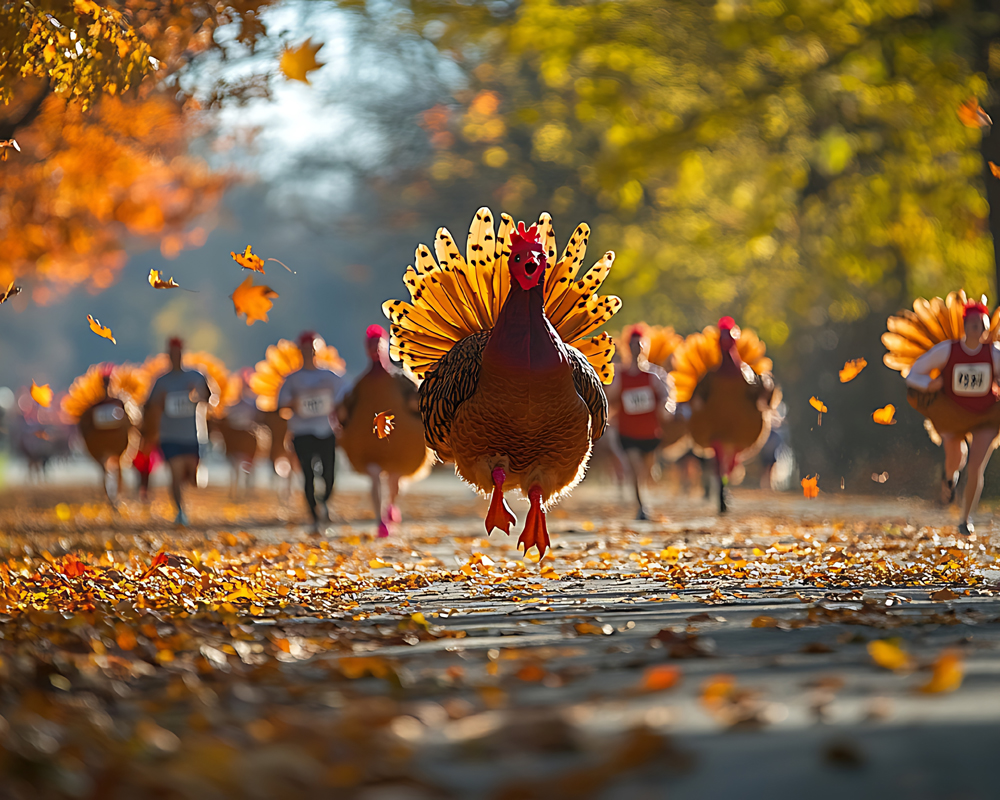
173 449
644 446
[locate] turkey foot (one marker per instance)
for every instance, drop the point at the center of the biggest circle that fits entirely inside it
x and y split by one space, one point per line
499 516
535 534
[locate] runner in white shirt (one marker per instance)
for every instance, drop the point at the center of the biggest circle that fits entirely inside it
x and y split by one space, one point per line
312 394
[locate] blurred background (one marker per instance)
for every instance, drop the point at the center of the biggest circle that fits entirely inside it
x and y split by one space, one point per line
808 168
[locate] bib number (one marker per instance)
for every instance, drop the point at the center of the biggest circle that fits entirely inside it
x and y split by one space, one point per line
641 400
178 404
318 403
108 416
971 380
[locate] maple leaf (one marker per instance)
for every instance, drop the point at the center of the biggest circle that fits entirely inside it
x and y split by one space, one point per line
382 425
252 300
12 291
972 114
947 675
41 394
297 63
248 260
852 369
100 330
159 283
810 487
886 415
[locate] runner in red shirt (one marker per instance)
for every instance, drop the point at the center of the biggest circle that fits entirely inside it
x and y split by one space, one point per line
637 399
961 402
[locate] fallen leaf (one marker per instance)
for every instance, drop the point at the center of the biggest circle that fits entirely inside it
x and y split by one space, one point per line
382 425
41 394
810 486
253 301
101 330
531 673
852 369
72 567
248 260
717 690
943 594
764 622
11 291
948 673
297 63
886 415
659 678
159 283
889 655
972 115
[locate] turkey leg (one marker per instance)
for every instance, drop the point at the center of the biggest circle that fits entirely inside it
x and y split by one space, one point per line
535 534
499 516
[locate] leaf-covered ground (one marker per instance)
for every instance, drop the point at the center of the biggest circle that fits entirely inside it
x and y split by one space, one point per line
841 644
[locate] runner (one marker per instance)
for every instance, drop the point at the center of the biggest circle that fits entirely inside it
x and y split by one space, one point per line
312 393
174 401
637 398
962 403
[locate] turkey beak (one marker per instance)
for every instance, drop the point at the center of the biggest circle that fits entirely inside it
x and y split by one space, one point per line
532 265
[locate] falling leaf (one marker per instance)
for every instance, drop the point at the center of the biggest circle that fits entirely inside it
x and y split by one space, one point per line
994 169
41 394
889 655
947 675
100 330
4 144
810 487
885 416
254 301
248 260
12 291
820 406
659 678
852 369
159 283
382 426
972 114
297 63
880 477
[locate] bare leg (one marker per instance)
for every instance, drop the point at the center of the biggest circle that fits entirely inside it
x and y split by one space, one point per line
979 455
637 468
955 453
392 510
375 473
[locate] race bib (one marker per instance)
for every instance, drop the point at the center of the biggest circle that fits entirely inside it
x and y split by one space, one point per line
641 400
315 403
971 380
108 416
179 404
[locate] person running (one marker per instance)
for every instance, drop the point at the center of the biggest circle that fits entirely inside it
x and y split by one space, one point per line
638 398
174 401
311 394
962 402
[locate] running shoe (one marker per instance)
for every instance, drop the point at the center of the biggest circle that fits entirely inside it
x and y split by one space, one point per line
383 530
966 528
392 512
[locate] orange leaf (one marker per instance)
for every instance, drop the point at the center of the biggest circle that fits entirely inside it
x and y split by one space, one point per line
531 673
101 330
382 425
254 301
159 561
659 678
818 404
947 675
889 655
717 690
41 394
852 369
248 260
11 291
72 567
810 487
159 283
296 64
972 114
885 416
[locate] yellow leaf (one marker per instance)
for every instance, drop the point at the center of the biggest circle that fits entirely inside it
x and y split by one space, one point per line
41 394
100 330
253 301
12 290
885 416
889 655
297 63
852 369
818 404
382 425
159 283
947 675
248 260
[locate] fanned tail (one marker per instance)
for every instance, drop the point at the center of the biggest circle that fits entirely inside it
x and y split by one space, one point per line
456 296
699 354
663 341
910 334
280 360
